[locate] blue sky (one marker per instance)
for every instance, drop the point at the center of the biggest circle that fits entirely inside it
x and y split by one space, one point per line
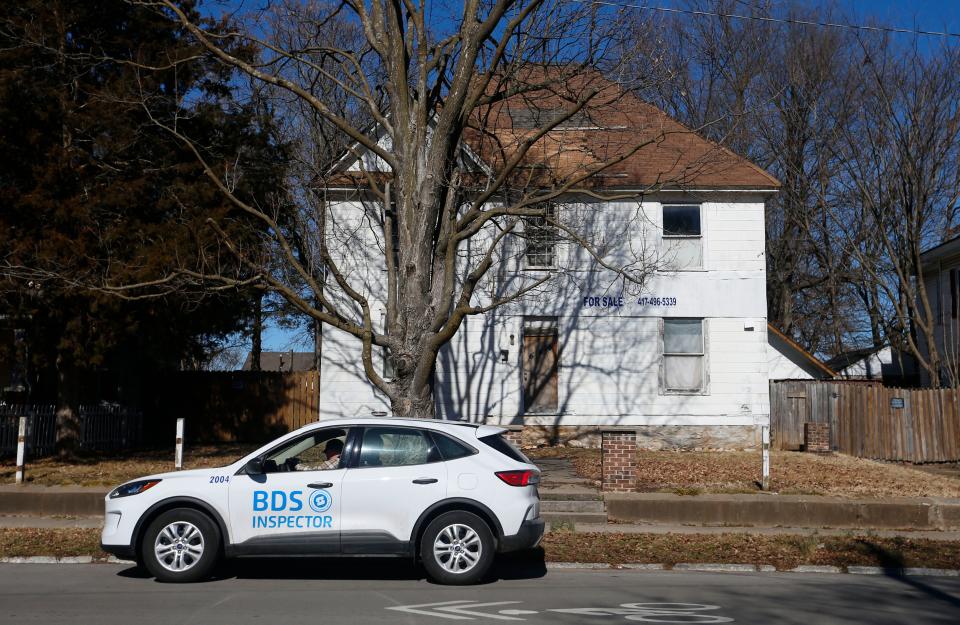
934 15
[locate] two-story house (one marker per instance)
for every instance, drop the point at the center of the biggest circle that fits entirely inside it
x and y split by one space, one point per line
682 358
941 281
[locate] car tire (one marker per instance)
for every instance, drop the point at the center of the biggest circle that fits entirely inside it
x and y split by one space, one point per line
457 548
181 545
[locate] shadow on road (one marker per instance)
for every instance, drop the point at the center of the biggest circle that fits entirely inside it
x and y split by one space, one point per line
893 565
513 566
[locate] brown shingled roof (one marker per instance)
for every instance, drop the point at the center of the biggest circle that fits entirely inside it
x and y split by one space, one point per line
642 146
656 150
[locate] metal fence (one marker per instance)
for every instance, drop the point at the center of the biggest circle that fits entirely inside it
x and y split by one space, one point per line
102 428
869 420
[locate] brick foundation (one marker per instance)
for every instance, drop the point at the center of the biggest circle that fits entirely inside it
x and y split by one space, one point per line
816 437
619 459
563 436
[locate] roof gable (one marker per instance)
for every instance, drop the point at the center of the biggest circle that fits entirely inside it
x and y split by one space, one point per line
628 143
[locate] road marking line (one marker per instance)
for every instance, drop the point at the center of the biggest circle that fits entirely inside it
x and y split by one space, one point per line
413 609
468 610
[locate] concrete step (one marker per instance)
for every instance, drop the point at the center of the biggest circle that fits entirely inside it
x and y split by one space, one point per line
574 518
563 494
573 506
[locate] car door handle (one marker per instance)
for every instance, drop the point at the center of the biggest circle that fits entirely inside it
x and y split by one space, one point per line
426 480
320 485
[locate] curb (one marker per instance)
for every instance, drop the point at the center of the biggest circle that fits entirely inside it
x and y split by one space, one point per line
757 568
568 566
64 560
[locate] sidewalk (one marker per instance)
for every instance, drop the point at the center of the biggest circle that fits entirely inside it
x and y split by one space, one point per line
29 500
772 510
637 528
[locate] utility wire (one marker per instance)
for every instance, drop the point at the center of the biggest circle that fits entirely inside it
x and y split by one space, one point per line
783 20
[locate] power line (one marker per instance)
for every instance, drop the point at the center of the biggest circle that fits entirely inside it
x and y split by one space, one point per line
781 20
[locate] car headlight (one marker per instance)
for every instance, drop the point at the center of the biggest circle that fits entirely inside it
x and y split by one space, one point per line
133 488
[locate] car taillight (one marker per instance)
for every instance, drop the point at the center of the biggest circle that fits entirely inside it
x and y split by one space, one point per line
519 478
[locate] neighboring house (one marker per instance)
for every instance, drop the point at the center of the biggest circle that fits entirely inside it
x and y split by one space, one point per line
685 363
786 360
941 277
281 361
883 364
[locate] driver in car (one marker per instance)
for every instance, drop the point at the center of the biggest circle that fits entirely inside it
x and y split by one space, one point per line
332 451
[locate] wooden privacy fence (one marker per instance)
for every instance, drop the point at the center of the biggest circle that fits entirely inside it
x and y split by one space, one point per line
249 406
869 420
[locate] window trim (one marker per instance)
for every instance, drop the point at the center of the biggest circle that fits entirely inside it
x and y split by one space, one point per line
704 355
677 237
551 211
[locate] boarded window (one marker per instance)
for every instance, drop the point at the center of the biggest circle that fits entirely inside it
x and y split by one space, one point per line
682 237
541 238
540 366
683 355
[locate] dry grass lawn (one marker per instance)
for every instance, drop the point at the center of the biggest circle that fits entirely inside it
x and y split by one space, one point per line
783 552
113 469
797 473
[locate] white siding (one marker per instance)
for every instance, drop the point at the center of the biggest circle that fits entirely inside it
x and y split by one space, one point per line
609 356
784 362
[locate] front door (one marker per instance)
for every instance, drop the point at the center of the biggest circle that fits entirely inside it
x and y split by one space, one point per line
294 506
540 362
398 475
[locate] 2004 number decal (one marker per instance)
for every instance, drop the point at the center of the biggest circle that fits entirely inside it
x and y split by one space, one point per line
219 479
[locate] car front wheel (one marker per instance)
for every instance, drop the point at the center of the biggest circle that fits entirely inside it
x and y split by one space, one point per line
457 548
181 545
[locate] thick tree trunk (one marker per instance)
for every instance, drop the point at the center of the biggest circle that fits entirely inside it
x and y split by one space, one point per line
68 410
413 402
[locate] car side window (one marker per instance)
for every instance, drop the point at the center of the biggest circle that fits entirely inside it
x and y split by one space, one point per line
317 451
449 448
395 447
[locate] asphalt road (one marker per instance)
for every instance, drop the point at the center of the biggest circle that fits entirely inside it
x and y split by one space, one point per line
376 591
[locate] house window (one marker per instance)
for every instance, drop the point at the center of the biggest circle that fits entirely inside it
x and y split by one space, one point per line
541 362
541 237
684 356
682 237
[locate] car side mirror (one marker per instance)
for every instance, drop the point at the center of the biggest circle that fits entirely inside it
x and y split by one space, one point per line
254 466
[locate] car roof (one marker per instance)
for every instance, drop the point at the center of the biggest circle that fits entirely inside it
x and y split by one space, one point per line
436 424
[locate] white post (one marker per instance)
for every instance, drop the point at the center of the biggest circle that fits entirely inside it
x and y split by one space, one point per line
21 448
765 438
178 459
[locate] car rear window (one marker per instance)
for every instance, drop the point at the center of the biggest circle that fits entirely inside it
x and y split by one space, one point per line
505 447
451 449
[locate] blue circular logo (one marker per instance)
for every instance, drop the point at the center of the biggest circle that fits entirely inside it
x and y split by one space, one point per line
320 501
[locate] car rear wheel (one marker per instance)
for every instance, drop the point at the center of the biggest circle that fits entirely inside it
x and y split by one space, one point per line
181 545
457 548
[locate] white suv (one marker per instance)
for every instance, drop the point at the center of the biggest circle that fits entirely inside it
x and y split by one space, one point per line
451 494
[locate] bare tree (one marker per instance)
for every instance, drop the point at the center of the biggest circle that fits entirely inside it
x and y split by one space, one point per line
462 135
900 180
